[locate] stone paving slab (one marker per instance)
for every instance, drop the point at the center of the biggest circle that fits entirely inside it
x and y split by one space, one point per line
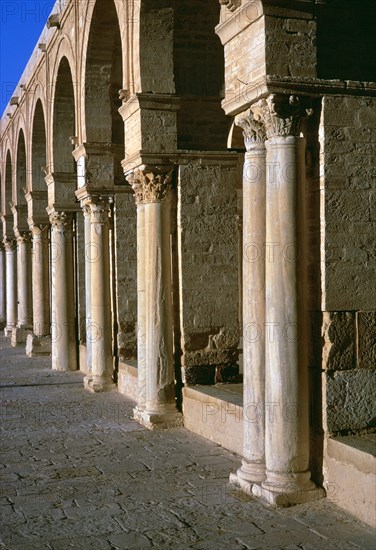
78 472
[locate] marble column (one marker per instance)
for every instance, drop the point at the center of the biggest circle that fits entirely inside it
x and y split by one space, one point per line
11 285
286 367
88 253
252 469
2 288
63 326
39 342
135 180
160 404
99 333
24 315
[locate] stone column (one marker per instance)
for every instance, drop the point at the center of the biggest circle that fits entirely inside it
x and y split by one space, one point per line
160 405
286 377
135 180
88 252
24 316
99 333
253 463
39 343
64 338
11 285
2 288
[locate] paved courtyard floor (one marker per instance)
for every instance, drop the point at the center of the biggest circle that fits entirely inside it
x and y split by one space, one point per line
78 472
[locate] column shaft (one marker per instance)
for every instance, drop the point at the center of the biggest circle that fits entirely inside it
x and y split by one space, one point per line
64 339
287 400
141 314
24 310
253 467
41 281
87 230
100 377
160 390
39 343
157 389
11 286
2 288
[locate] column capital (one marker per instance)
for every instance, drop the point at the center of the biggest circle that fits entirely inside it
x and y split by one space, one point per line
253 129
282 114
10 244
60 221
135 180
150 183
86 209
38 231
97 207
23 237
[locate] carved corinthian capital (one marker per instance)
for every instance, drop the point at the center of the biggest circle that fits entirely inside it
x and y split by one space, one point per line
156 186
10 244
253 130
99 210
281 114
231 4
39 231
23 237
150 184
59 221
135 180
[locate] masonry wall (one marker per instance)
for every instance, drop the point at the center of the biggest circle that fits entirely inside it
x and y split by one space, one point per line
126 274
348 240
208 270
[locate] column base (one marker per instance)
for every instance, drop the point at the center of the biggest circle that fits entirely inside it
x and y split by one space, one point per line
97 384
248 475
288 491
8 331
160 421
38 345
19 335
137 413
242 484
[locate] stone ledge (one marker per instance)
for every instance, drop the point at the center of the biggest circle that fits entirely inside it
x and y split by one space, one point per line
127 379
359 451
216 413
350 465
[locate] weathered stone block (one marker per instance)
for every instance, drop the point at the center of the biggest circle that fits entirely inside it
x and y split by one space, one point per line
367 339
198 374
350 400
338 331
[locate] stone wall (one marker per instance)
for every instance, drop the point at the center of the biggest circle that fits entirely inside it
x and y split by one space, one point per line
126 280
208 270
348 229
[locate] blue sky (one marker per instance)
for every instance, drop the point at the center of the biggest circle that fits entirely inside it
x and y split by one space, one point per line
21 22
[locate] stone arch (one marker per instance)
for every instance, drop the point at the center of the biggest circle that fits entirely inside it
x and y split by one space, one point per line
38 155
21 163
103 76
8 173
105 34
63 120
